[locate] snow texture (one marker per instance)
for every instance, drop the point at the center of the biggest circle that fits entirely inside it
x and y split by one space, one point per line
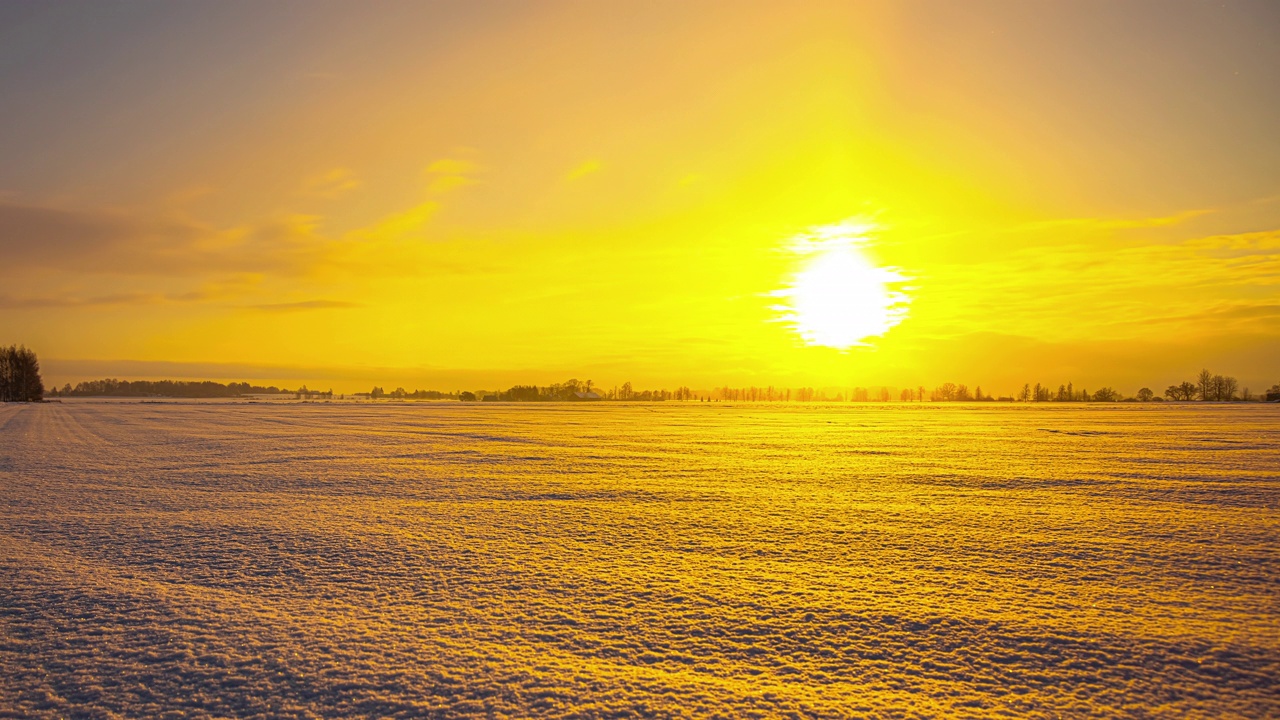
419 560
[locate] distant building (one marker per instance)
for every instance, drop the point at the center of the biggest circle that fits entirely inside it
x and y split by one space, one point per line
589 395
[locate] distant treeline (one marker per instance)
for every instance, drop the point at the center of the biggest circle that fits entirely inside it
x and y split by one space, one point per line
1208 387
1211 388
20 381
402 394
172 388
576 390
20 375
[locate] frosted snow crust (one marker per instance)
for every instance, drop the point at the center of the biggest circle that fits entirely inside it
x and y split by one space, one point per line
214 559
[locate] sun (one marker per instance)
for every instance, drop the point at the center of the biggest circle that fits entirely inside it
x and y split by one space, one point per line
838 297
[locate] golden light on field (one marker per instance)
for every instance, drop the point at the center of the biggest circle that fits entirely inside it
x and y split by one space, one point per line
839 298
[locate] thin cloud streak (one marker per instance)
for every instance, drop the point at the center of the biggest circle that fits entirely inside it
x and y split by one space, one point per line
305 305
27 302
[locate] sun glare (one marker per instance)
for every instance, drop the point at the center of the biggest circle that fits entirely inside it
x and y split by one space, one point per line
838 297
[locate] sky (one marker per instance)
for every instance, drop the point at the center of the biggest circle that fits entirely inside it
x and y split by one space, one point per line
478 194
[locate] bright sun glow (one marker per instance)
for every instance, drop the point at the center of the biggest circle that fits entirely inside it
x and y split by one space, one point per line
839 298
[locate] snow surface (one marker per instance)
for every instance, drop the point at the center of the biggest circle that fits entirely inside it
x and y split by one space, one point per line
318 560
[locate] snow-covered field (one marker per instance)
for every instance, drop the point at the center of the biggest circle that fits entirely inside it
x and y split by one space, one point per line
212 560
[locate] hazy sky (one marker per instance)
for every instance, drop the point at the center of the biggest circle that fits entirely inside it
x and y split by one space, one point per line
478 194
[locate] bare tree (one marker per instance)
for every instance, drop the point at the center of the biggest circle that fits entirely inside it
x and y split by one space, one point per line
1205 383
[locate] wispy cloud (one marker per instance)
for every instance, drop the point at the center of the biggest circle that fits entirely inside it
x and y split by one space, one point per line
453 166
330 184
400 224
584 169
1240 245
93 243
1112 223
71 300
304 305
117 242
448 174
1092 288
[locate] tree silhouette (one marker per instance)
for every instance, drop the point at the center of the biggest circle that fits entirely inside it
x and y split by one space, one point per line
20 375
1205 383
1106 394
1224 388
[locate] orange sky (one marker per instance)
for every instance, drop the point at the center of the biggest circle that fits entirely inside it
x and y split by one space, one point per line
480 194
